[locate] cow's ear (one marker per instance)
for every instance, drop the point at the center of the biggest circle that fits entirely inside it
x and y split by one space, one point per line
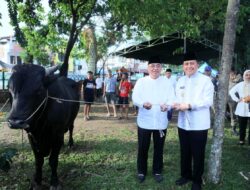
49 79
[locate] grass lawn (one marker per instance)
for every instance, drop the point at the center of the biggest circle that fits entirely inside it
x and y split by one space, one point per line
104 157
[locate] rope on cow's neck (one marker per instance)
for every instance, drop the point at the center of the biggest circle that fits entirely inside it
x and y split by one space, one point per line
45 100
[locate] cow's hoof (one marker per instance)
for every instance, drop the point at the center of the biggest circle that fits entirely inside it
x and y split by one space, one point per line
58 187
71 144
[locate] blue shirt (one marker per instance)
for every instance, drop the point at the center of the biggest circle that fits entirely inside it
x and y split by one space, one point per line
110 84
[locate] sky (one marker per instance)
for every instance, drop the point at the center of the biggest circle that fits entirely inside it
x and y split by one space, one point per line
6 29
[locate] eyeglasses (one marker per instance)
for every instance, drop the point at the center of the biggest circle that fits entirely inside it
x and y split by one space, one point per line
156 65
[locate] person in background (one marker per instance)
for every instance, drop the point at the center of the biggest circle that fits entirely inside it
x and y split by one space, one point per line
173 81
169 77
234 78
124 89
153 95
240 93
194 93
99 86
89 86
109 92
208 72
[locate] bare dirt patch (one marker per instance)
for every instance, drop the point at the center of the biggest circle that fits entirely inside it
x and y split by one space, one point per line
98 125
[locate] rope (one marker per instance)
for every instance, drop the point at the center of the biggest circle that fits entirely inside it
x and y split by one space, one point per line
60 100
37 108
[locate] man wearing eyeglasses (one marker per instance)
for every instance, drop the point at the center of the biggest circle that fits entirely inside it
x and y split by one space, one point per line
153 95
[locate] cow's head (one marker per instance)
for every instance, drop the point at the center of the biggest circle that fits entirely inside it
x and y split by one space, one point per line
28 90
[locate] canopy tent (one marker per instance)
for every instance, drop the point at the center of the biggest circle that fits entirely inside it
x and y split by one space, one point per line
170 48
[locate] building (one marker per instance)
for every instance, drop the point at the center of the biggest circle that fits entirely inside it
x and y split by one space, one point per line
10 50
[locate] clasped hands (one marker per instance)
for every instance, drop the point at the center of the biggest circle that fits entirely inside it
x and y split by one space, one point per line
148 106
164 107
181 106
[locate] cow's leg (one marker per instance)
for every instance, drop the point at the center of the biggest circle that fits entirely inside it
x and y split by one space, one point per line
53 162
71 141
37 178
39 160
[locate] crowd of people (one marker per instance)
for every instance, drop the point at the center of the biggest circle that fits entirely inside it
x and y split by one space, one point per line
115 92
155 98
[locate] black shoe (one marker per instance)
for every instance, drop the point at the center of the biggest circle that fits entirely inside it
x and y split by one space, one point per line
196 186
182 181
158 178
140 177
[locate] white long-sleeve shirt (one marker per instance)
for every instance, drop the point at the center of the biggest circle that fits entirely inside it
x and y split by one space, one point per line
196 90
155 91
242 109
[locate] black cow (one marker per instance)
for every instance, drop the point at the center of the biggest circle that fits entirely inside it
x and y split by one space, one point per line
45 119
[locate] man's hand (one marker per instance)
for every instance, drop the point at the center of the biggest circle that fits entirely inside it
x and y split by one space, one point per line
164 107
147 105
181 106
176 106
184 107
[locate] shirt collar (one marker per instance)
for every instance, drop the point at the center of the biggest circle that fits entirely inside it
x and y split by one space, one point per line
193 75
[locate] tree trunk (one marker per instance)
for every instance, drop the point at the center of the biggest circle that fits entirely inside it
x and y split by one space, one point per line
214 165
70 45
92 50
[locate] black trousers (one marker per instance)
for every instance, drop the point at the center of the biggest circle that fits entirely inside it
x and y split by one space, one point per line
192 147
144 137
243 121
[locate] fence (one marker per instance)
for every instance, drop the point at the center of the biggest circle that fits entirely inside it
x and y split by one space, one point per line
4 77
4 104
4 95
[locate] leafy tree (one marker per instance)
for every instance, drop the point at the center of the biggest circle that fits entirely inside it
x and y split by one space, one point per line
164 17
59 30
64 22
193 18
91 47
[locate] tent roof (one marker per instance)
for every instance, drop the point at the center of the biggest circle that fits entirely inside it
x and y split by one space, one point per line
169 48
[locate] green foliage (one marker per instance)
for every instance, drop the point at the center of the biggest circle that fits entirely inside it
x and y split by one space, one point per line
56 30
6 158
164 17
13 13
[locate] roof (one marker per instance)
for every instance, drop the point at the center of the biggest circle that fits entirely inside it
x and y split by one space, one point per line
170 49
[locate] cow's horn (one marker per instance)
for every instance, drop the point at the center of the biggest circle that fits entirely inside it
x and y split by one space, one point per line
6 65
50 70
